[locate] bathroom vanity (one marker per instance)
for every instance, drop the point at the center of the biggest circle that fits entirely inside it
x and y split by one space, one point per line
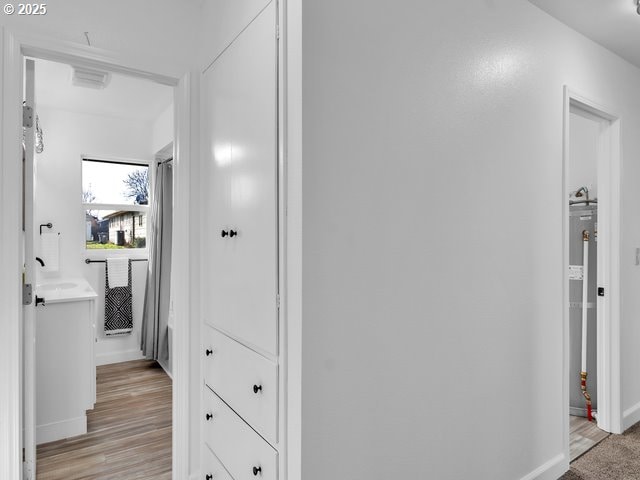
65 360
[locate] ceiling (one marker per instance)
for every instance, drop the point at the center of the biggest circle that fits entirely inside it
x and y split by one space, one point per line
125 97
614 24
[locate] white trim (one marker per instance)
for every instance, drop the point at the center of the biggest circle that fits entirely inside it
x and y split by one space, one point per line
580 412
55 50
291 302
118 357
631 416
181 260
10 259
123 207
14 47
608 330
283 438
166 370
550 470
28 311
59 430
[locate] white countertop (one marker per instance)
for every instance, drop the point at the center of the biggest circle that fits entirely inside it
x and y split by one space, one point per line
60 290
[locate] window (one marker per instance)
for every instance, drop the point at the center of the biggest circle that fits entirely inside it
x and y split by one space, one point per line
115 197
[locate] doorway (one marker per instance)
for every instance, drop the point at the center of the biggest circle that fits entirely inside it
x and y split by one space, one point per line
96 138
13 438
591 264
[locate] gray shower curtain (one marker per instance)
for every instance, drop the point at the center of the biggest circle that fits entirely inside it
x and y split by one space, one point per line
155 317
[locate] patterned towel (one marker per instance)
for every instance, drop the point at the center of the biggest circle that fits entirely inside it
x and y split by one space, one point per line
118 313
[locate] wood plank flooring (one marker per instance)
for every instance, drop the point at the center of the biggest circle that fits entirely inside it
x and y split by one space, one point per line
583 436
129 430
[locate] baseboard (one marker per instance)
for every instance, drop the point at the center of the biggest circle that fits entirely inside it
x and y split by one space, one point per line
166 370
551 470
118 357
631 416
578 411
59 430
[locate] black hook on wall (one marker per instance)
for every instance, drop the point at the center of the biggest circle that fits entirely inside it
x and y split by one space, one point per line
48 225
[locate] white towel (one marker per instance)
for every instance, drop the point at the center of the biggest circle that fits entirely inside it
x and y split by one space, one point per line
118 269
50 251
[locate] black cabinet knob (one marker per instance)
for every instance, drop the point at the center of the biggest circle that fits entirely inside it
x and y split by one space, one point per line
233 233
257 388
209 476
209 416
257 470
224 233
209 352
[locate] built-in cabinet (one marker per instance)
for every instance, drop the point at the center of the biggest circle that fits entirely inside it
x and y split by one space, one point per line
241 354
65 358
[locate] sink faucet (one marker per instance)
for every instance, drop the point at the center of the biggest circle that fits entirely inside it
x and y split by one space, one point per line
38 259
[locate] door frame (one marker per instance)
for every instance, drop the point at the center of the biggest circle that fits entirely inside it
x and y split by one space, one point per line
28 311
14 48
608 319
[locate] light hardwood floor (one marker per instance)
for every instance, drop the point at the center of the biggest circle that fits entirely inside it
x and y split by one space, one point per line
129 430
583 436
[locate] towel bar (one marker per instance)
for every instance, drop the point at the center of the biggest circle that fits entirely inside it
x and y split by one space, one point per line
88 260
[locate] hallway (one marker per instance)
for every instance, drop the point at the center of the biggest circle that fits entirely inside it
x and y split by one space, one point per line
129 430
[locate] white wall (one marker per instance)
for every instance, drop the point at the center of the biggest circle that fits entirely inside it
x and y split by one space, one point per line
583 148
157 36
221 21
432 248
67 137
162 130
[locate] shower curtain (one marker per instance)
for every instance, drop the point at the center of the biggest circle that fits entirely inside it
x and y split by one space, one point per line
155 317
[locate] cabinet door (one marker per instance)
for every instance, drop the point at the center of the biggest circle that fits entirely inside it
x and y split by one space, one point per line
240 194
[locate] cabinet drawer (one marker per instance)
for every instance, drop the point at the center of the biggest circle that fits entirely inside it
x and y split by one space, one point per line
248 382
242 451
212 469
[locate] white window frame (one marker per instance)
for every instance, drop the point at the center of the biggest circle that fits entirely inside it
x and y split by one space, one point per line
146 209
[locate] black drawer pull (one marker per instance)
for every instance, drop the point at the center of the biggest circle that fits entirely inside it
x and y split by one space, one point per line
257 388
224 233
257 470
209 416
209 352
233 233
209 476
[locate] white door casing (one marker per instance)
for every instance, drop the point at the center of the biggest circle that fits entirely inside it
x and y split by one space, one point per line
29 355
608 316
11 256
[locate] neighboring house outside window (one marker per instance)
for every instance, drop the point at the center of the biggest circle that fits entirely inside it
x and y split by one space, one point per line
115 196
